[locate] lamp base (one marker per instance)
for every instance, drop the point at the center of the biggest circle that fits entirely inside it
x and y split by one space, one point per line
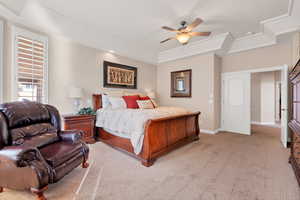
76 104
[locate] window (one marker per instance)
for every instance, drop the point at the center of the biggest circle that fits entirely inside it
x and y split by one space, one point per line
30 74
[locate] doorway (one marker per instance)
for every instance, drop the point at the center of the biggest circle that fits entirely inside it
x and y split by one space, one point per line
266 98
255 96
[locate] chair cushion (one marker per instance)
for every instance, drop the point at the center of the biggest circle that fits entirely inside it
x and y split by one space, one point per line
24 113
19 135
39 141
59 152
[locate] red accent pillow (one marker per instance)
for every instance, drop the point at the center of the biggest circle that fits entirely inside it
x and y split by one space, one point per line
145 98
131 101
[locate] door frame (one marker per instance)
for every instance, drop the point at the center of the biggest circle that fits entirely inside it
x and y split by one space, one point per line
282 68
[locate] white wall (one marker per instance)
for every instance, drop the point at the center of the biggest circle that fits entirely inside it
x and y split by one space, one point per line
277 95
255 97
71 64
205 87
265 97
275 55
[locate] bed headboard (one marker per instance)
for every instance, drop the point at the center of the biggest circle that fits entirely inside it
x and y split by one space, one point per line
97 101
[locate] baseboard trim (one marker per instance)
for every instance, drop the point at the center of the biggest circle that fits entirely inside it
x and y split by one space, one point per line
255 123
271 124
212 132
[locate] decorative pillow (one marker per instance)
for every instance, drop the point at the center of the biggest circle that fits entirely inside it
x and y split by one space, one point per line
117 102
105 101
131 101
145 98
114 93
148 98
132 94
145 104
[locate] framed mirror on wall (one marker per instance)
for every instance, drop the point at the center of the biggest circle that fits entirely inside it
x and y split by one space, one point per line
181 83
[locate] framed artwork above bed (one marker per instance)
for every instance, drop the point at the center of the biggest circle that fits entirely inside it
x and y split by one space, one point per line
119 76
181 83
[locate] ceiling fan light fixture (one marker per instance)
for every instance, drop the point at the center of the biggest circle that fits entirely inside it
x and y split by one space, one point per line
185 32
183 38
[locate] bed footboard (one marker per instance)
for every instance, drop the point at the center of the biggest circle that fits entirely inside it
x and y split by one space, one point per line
161 136
165 134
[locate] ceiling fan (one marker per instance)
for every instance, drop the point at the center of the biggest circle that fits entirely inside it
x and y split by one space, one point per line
184 33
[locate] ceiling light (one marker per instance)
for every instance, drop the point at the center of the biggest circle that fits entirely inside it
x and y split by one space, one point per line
183 38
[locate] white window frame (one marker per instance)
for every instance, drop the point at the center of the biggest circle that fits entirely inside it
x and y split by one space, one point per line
1 59
19 31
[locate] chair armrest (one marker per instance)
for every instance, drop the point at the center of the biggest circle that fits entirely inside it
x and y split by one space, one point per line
21 155
73 136
23 167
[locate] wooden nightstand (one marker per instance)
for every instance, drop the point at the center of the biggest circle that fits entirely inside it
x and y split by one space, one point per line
85 123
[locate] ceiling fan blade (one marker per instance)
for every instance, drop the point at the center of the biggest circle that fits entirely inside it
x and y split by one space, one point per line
169 29
167 40
199 33
195 23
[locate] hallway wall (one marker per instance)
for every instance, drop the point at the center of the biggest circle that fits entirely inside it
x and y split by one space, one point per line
264 97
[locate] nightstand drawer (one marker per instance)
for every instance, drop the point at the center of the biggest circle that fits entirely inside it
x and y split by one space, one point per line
86 127
85 123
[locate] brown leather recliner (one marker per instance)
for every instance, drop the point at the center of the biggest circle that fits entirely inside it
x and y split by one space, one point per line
34 151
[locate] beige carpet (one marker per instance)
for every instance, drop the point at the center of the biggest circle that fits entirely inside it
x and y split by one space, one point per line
219 167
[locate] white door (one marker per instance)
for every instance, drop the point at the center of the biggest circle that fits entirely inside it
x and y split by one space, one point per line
236 103
284 106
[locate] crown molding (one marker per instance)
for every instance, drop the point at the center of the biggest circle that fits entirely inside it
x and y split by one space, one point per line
211 44
252 42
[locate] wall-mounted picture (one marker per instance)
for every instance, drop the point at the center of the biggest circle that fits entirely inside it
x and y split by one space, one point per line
181 83
119 76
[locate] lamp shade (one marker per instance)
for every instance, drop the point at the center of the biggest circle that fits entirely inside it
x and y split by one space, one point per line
151 95
76 92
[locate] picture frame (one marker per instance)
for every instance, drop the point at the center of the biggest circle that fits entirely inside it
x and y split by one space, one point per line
116 75
181 83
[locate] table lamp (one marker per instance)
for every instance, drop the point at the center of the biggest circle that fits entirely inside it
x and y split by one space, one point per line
76 94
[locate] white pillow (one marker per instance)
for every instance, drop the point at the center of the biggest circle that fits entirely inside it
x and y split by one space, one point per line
132 94
145 104
114 93
117 102
105 101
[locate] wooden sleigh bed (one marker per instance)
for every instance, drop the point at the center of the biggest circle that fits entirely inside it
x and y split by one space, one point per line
160 136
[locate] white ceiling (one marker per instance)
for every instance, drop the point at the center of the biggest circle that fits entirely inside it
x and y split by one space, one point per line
133 27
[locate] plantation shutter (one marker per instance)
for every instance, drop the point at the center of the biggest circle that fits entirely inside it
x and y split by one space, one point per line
31 68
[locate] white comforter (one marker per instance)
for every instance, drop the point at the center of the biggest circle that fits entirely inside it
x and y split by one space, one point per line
130 123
